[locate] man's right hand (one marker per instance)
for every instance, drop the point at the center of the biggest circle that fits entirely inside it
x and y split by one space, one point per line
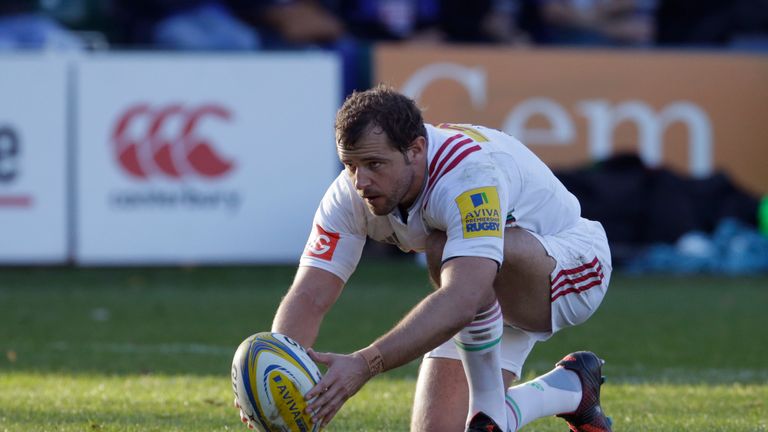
243 417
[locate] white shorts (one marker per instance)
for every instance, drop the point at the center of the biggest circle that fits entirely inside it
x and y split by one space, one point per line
579 283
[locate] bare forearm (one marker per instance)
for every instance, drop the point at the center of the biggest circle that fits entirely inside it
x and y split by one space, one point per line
301 311
466 287
298 318
419 332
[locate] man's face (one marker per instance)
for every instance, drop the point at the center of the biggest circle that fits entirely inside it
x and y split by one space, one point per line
380 173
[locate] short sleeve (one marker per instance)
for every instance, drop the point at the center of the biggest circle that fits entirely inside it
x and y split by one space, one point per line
337 237
469 204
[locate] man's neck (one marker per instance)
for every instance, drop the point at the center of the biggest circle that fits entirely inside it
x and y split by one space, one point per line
417 188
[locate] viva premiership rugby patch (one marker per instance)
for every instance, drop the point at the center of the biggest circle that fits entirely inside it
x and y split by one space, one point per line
480 212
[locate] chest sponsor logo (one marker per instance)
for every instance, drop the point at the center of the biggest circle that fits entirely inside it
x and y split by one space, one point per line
480 212
322 244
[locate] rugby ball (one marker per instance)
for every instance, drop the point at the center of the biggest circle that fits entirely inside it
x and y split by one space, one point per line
271 373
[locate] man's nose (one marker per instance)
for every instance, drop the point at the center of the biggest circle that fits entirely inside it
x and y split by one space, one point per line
362 179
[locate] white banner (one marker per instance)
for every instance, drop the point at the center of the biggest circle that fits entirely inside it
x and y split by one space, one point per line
33 159
202 158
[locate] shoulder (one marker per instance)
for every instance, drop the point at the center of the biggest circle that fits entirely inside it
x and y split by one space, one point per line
341 190
460 161
341 198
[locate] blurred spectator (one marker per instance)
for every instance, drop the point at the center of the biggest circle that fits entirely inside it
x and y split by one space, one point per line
484 21
239 25
307 24
597 22
226 24
88 19
390 20
291 23
713 23
182 25
24 26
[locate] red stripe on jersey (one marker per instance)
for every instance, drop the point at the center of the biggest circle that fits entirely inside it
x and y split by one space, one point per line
433 175
581 268
456 161
447 169
440 151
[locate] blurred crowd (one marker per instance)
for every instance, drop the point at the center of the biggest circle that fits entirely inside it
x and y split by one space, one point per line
350 26
290 24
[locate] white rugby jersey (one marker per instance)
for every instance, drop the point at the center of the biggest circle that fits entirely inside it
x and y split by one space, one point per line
479 180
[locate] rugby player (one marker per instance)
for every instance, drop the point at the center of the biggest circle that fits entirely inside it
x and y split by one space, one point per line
510 256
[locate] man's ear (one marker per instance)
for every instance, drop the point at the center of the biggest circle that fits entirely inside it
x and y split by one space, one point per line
417 148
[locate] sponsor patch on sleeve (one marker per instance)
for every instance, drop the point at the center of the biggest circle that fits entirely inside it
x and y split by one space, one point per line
480 212
322 244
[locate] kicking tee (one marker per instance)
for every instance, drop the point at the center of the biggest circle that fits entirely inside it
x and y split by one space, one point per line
479 181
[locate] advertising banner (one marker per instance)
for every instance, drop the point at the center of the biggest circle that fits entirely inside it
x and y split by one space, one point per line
33 160
694 112
202 159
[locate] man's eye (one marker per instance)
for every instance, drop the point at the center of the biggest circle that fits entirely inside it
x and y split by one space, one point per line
374 165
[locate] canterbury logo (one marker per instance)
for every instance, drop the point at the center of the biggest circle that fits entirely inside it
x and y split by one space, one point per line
149 141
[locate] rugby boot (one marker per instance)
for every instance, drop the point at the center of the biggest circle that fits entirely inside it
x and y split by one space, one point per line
482 423
589 416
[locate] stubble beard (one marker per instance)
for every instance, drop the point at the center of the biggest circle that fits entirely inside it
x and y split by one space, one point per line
393 201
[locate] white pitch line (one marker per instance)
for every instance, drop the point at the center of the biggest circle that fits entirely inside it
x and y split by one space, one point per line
131 348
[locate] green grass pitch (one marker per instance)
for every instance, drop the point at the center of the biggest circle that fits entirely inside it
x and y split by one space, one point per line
150 349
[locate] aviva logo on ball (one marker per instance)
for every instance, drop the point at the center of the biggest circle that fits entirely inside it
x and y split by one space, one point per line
290 402
480 212
271 373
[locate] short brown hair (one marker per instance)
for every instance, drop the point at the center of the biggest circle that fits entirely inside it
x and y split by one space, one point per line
382 106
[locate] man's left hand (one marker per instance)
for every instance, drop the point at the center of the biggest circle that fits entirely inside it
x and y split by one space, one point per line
346 374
